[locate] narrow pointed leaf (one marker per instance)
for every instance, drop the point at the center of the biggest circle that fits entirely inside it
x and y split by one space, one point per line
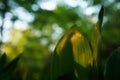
100 17
96 37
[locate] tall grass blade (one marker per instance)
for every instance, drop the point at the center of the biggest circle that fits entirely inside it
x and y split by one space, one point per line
95 42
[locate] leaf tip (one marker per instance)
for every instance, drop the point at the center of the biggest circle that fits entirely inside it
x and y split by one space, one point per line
100 17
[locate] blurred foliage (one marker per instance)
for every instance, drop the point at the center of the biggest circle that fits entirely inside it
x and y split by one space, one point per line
36 43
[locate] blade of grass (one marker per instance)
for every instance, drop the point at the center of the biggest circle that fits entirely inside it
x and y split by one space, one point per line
95 39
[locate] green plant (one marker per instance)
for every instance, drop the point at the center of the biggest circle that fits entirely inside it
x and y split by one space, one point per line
7 68
77 56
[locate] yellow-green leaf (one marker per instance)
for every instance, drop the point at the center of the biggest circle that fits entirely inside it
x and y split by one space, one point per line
95 39
71 54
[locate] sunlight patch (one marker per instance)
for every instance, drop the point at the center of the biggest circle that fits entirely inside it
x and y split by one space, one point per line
21 25
50 5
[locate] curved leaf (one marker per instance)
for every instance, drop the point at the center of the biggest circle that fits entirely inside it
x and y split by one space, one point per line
96 37
75 55
9 68
72 49
112 69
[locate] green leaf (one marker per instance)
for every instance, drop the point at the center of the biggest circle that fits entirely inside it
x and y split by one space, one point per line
112 69
94 39
100 17
74 54
3 60
72 49
96 36
82 53
9 68
62 58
